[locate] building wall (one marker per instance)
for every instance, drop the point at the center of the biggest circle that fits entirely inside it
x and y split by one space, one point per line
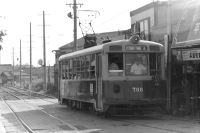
157 14
185 26
144 14
162 15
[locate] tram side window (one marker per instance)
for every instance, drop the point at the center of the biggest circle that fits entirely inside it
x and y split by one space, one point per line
73 68
84 68
76 68
136 64
70 69
66 69
155 63
92 66
63 70
87 64
82 59
60 69
115 64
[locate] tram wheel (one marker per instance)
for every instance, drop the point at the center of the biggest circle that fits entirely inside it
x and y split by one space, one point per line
107 114
93 111
60 102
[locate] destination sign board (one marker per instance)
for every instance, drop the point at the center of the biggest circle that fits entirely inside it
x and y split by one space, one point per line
191 54
136 48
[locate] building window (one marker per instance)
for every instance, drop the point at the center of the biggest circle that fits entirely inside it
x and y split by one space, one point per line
142 28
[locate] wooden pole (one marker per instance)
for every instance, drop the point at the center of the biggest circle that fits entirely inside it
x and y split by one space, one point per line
30 85
20 71
75 24
169 31
13 64
44 53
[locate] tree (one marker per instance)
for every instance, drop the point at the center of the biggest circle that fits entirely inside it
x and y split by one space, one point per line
1 38
1 35
40 62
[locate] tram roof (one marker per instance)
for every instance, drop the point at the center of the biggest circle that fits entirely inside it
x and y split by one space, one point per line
100 47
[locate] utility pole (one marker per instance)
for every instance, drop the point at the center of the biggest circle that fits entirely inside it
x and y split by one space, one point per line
13 63
49 74
169 32
20 66
75 22
30 85
44 53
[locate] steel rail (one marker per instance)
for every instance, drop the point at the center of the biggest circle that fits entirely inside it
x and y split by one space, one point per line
34 96
32 92
151 126
25 126
69 125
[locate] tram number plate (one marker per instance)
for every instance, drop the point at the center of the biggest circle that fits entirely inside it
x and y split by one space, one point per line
137 89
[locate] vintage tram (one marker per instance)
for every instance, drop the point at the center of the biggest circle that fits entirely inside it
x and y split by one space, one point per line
125 74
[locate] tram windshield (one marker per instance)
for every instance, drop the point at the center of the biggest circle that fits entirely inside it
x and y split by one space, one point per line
134 64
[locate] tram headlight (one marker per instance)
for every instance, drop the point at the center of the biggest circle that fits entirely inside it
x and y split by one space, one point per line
135 39
116 88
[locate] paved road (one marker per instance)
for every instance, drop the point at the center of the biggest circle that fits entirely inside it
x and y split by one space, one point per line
67 120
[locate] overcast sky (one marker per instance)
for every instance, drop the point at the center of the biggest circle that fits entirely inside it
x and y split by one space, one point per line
16 16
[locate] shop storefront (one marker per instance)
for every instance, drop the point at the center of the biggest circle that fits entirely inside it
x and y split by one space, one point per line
186 80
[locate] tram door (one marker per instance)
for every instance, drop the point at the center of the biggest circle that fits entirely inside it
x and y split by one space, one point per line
99 104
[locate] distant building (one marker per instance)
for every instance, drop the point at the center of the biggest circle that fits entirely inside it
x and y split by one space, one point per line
6 67
6 73
7 77
24 76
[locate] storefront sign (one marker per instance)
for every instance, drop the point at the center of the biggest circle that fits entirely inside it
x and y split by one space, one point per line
191 54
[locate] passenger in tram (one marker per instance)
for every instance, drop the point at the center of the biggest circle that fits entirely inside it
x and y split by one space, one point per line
113 66
138 68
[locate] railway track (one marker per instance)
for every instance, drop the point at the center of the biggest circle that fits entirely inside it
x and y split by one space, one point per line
151 123
23 124
32 94
14 96
156 123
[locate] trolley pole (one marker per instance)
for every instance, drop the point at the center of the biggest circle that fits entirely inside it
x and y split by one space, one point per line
30 84
44 53
20 66
75 22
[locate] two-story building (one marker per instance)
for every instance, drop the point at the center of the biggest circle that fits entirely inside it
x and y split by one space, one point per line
175 24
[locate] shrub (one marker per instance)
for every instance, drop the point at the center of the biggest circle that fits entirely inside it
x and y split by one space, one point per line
51 89
37 87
